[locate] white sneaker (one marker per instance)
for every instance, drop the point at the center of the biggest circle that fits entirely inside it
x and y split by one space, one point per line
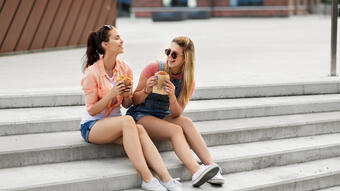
172 185
203 174
153 185
217 179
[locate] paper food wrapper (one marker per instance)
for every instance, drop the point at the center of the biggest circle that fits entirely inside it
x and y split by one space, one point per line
158 89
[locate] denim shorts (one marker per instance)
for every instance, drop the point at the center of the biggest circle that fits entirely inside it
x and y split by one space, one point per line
85 129
137 115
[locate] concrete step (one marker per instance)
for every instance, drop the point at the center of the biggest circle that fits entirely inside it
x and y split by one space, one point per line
308 176
74 96
23 150
335 188
245 130
54 119
260 107
41 98
40 120
118 173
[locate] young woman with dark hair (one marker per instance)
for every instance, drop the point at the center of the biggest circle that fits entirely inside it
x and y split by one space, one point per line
102 122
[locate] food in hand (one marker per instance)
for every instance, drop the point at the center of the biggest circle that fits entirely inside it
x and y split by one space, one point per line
158 89
126 80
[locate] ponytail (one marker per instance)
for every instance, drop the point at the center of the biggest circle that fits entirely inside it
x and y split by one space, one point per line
94 47
91 51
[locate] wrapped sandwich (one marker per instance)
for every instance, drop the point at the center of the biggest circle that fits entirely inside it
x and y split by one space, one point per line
158 89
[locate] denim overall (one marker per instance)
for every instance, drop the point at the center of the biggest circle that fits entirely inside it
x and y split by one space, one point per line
154 104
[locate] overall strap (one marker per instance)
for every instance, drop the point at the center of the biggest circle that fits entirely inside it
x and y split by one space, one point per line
160 66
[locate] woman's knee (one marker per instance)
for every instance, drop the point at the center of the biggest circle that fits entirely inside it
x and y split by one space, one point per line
186 123
176 130
186 120
128 122
141 129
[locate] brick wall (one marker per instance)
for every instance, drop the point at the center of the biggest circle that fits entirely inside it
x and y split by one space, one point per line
143 8
276 2
203 3
146 3
253 13
221 3
207 3
143 14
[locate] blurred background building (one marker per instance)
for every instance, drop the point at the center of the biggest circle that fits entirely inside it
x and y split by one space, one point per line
226 8
29 25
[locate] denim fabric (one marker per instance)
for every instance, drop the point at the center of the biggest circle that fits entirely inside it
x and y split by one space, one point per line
154 104
85 129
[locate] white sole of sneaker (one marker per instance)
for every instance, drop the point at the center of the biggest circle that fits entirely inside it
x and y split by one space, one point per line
205 176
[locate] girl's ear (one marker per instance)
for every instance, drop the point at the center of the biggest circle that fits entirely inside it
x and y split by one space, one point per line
104 44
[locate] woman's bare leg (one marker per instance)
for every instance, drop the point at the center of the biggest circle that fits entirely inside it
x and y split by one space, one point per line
152 155
111 129
194 138
161 129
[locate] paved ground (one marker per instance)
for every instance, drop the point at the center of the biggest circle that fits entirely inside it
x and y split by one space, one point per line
228 51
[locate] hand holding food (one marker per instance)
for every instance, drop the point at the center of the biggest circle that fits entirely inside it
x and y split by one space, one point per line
159 88
126 80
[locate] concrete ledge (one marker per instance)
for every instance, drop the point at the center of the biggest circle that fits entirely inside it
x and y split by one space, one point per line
69 146
260 107
313 175
336 188
168 16
72 97
41 98
267 90
52 119
95 174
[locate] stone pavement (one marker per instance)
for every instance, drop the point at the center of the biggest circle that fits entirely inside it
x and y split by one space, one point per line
228 51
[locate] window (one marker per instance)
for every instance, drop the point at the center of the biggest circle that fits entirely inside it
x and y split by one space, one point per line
123 8
179 3
233 3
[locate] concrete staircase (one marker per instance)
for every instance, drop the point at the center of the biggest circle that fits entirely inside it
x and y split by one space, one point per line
265 137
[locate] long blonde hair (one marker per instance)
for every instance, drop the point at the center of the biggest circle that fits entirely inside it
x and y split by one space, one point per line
188 66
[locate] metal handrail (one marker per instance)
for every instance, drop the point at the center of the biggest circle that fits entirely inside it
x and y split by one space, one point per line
334 31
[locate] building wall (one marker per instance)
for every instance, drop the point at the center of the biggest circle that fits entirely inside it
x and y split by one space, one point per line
41 24
146 3
220 8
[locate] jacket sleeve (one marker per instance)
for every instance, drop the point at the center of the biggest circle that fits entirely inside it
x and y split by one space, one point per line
90 89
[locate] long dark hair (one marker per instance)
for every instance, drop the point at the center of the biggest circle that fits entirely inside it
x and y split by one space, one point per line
94 45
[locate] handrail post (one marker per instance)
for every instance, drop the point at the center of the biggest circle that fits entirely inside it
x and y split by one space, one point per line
334 30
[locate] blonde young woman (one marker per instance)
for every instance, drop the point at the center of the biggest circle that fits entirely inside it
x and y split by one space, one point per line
102 122
161 115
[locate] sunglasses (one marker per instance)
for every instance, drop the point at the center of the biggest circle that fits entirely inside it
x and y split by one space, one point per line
104 27
108 27
173 54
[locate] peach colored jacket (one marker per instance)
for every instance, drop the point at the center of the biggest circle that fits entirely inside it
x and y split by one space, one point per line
96 84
